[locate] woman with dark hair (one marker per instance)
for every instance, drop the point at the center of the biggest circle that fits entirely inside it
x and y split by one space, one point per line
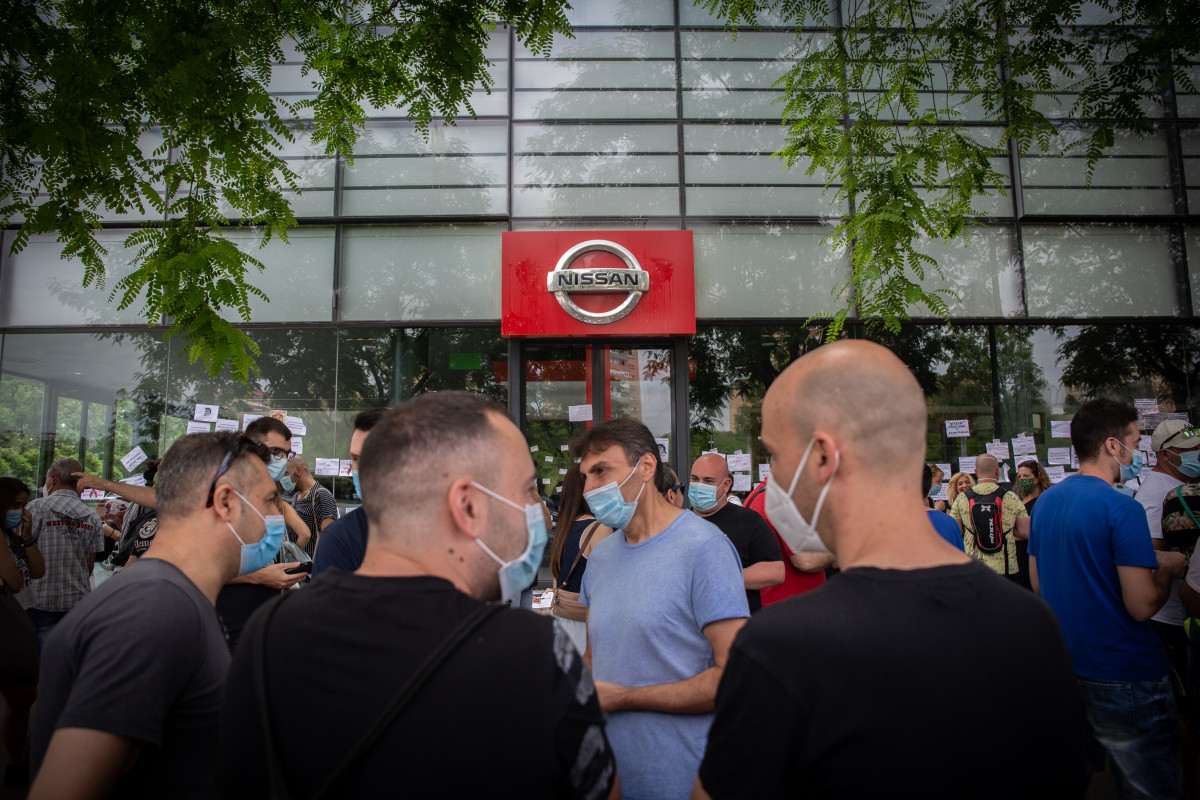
1032 480
575 535
20 562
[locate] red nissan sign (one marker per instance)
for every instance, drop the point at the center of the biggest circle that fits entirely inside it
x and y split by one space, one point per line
598 283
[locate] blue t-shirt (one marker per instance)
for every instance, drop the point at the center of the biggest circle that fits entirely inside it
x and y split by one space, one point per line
1082 530
343 544
648 605
947 528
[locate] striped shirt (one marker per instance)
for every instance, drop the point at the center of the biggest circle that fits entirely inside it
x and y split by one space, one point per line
68 532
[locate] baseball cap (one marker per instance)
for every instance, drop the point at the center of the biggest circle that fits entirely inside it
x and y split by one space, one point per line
1175 433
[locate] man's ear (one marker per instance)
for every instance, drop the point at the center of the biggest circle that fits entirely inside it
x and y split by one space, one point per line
466 506
226 503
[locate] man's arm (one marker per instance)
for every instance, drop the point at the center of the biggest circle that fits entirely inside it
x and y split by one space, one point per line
694 695
297 525
274 576
1033 576
812 562
81 763
1144 590
764 574
1190 598
1021 529
142 495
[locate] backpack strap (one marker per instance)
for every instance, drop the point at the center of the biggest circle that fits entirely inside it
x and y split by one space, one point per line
583 543
1182 502
277 780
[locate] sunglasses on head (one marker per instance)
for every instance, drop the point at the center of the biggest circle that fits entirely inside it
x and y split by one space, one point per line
241 445
1186 433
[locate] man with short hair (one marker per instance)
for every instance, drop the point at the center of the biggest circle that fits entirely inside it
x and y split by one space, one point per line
672 489
344 543
942 522
762 560
858 684
1091 558
70 535
666 597
449 491
313 502
994 545
131 680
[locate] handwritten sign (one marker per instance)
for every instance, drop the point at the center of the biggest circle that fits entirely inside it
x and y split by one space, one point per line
296 426
966 464
327 466
739 462
1059 455
297 445
227 426
1146 405
133 458
134 480
741 482
1024 445
248 418
999 450
1060 429
198 427
581 413
958 428
346 468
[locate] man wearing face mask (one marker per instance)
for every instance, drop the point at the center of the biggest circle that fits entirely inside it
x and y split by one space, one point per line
1091 558
131 680
344 543
851 680
762 561
450 494
313 502
665 599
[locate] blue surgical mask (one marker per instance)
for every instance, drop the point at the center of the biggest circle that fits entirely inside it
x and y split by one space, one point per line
520 573
277 467
12 519
1189 463
357 486
257 555
702 496
288 484
935 489
608 504
1130 471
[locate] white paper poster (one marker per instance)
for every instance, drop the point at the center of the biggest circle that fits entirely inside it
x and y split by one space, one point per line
565 448
1024 445
297 445
133 458
943 493
1056 474
664 449
134 480
550 458
346 467
946 469
998 449
1059 455
966 464
198 427
204 413
1146 405
546 481
763 470
296 426
91 494
533 448
581 413
738 462
1060 429
562 472
227 426
327 466
248 418
741 482
958 428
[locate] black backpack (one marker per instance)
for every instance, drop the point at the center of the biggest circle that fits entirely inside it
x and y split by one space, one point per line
987 514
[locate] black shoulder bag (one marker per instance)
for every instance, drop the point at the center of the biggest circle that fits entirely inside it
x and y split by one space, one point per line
279 789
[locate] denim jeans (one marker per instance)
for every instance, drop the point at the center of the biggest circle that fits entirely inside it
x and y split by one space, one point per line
1135 724
43 623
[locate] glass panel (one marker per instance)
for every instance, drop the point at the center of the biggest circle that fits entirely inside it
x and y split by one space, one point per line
297 278
445 272
765 270
556 378
404 202
594 139
316 177
38 287
758 201
983 274
1095 270
622 12
592 202
572 75
47 382
1187 104
1191 243
1133 177
639 387
543 104
693 14
609 44
1189 141
597 169
748 44
728 104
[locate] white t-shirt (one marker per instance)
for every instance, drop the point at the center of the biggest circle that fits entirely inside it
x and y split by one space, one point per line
1153 491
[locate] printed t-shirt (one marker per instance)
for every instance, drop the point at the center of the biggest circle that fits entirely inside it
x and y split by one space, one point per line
1082 530
141 657
853 691
326 508
68 532
648 604
1151 494
343 544
753 540
1004 561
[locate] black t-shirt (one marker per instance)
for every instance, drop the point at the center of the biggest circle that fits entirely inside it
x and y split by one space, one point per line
511 713
946 682
142 657
138 530
570 549
752 538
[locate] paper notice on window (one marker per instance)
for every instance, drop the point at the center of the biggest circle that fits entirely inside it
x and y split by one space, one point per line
346 468
296 426
763 471
1060 429
297 445
739 462
564 447
198 427
1056 474
533 448
134 480
958 428
1024 446
133 458
946 469
550 458
546 481
327 466
966 464
999 450
664 449
580 413
943 492
279 415
562 472
204 413
1059 455
741 482
1074 459
227 426
1146 405
248 418
91 494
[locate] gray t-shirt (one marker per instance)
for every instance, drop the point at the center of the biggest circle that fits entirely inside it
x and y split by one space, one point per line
142 657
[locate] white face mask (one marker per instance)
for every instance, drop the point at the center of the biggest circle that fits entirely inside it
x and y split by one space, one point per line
800 535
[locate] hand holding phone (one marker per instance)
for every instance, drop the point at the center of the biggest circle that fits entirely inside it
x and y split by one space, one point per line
304 566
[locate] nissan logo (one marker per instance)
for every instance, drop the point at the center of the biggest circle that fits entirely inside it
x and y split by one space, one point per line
632 281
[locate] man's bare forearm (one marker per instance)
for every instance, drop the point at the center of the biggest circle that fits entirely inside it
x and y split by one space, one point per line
764 574
694 695
811 562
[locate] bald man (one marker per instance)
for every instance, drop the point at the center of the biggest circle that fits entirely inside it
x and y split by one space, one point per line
314 503
911 671
976 510
762 560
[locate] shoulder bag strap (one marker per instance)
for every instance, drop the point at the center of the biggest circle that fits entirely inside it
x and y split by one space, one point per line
406 694
1179 494
278 780
583 543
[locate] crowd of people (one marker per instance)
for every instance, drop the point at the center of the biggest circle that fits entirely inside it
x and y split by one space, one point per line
838 633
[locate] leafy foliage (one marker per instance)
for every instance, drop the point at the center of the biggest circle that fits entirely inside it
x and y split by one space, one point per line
877 101
163 110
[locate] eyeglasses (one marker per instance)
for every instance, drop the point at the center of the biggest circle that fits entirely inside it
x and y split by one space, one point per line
676 488
279 452
1186 433
241 444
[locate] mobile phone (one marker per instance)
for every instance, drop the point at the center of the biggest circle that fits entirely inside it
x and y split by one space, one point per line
305 566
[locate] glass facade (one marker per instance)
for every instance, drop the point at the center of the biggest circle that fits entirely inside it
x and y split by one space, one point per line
651 117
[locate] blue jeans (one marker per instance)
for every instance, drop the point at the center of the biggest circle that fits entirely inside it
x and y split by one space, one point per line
1135 724
43 623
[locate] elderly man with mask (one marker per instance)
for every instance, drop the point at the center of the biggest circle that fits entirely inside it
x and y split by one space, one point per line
131 680
405 656
762 560
861 684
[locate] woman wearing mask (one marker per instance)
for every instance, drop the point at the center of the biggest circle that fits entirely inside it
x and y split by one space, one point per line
1032 480
575 535
959 482
20 562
